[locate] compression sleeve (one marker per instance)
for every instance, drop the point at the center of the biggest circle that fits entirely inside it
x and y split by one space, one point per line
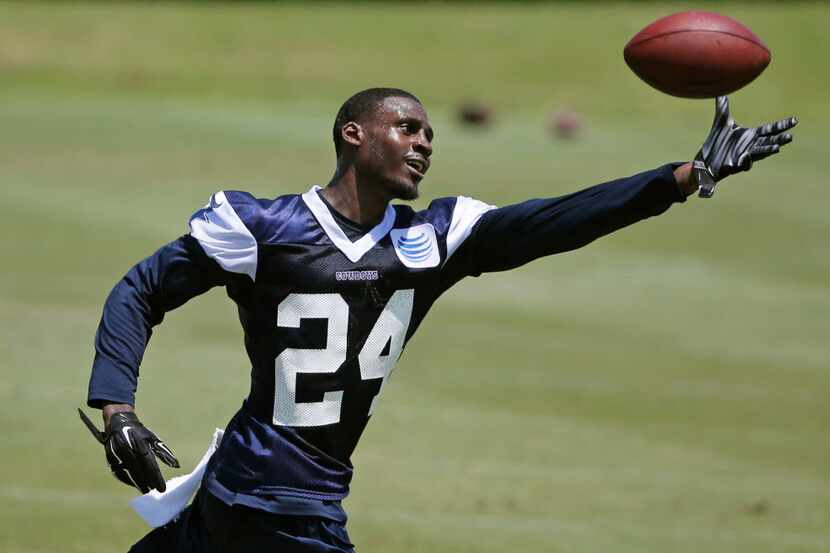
164 281
511 236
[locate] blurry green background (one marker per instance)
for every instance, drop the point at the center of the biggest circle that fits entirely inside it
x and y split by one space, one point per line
663 389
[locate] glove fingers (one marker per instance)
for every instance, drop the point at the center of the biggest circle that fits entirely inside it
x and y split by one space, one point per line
119 466
722 105
127 477
131 450
147 467
123 475
162 451
761 152
780 139
777 126
165 454
135 464
721 112
745 161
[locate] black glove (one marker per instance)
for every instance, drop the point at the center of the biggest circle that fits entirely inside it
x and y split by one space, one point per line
729 148
131 449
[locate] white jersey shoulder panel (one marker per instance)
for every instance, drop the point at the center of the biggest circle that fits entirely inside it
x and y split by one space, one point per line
224 236
465 215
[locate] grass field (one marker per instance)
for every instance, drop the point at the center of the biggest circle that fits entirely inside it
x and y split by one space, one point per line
663 390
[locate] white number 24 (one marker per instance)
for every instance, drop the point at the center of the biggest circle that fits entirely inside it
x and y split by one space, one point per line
390 327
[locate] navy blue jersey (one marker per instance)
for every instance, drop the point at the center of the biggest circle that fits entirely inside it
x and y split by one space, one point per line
327 307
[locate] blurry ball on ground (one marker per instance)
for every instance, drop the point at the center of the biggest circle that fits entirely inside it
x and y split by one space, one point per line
565 123
474 113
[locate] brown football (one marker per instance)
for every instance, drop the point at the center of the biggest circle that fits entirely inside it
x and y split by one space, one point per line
696 55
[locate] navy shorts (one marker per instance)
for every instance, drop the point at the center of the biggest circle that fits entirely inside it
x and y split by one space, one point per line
210 526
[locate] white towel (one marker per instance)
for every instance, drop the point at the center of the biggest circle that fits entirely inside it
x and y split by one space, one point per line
158 508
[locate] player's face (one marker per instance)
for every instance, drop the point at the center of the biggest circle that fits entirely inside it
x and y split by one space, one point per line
398 147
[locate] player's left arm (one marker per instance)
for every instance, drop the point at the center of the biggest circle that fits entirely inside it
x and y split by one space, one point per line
507 237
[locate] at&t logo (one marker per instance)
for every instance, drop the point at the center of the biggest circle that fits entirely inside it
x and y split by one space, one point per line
416 246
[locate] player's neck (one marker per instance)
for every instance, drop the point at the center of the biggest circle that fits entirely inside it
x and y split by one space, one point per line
355 201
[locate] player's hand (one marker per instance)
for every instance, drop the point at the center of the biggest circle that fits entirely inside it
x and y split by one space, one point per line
730 149
131 451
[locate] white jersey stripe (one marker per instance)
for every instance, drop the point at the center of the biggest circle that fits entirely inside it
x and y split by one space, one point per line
224 236
353 250
465 215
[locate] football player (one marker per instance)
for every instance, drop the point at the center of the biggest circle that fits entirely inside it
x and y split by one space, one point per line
330 285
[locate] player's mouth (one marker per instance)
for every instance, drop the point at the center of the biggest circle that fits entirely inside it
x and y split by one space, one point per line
417 165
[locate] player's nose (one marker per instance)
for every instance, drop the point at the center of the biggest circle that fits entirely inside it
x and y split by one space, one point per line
423 145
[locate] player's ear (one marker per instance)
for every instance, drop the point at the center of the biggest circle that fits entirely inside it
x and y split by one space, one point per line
352 133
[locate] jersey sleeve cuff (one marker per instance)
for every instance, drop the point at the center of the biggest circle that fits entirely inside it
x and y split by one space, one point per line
111 382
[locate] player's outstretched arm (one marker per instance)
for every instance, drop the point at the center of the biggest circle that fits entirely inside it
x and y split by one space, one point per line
730 149
131 448
510 236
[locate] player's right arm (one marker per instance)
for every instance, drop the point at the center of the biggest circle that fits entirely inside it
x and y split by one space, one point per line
160 283
218 251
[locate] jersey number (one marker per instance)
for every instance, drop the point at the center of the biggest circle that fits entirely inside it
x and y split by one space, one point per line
390 328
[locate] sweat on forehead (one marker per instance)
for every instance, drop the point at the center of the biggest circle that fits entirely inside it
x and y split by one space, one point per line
363 103
397 104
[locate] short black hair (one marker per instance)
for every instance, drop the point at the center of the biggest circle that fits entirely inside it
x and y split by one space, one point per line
359 105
